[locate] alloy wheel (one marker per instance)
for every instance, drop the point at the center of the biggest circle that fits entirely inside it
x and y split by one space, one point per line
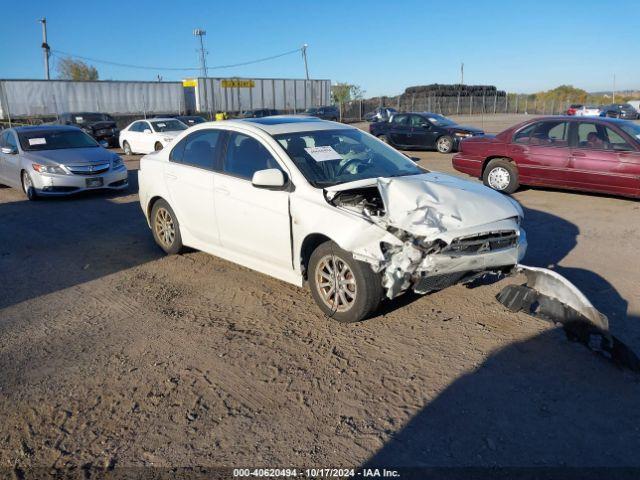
165 227
444 145
336 283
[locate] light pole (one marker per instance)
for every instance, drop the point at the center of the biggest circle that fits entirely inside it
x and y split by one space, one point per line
198 32
45 47
614 88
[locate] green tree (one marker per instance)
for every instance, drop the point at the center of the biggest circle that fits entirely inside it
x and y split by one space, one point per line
342 93
70 69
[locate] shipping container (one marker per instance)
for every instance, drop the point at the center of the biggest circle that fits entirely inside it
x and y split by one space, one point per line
33 98
241 94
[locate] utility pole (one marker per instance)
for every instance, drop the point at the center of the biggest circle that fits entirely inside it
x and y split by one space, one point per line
461 73
45 47
304 56
614 88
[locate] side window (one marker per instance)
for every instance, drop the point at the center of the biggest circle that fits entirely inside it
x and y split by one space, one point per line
400 119
198 149
145 126
616 141
589 137
552 133
10 140
416 120
136 127
245 156
524 135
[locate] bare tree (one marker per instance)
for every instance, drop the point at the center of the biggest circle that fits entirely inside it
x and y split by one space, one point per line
70 69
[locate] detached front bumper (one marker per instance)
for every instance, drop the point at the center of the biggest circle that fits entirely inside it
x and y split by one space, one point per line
55 185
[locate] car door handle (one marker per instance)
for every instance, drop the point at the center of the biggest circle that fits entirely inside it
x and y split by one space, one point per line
170 176
578 154
222 191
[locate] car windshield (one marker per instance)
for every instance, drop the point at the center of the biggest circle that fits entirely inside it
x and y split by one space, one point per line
82 118
168 126
632 129
192 120
330 157
439 120
55 140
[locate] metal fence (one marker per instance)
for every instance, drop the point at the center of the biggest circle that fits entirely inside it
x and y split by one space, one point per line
355 111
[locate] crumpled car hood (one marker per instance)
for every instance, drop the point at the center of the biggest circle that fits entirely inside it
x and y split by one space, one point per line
432 203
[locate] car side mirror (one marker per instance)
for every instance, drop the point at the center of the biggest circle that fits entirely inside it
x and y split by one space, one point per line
269 178
9 150
425 125
147 130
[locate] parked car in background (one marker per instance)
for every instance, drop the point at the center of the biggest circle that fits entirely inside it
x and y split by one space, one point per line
422 131
306 200
188 120
57 160
635 104
260 112
325 113
591 154
619 110
572 108
380 114
146 136
100 126
587 111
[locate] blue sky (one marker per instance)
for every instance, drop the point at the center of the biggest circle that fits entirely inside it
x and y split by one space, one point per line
383 46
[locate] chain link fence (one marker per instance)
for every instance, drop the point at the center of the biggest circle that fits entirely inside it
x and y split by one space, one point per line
356 110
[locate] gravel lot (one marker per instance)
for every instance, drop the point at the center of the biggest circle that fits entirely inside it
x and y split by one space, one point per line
114 355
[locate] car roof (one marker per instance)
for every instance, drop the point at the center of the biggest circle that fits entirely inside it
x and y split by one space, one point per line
277 124
45 128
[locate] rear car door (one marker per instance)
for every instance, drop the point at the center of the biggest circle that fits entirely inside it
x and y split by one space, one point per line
541 152
189 177
399 129
602 159
253 221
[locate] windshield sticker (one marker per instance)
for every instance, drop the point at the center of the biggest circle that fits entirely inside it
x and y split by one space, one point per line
323 154
37 141
79 119
161 125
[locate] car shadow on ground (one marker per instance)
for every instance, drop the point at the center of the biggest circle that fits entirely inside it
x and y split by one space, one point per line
543 402
55 243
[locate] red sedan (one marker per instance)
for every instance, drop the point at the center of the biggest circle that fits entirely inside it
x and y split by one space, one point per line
578 153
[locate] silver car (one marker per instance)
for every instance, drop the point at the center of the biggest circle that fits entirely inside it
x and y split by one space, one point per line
57 160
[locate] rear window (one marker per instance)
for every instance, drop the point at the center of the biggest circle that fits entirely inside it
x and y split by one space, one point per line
55 140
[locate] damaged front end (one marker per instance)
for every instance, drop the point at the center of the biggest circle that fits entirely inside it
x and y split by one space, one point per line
432 230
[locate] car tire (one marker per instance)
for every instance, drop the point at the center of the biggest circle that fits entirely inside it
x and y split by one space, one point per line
27 186
165 228
444 144
361 290
384 138
501 175
127 148
157 147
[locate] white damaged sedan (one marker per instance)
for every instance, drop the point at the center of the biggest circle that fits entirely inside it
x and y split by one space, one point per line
307 200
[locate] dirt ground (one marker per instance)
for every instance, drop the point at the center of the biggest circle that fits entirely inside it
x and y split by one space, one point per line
113 355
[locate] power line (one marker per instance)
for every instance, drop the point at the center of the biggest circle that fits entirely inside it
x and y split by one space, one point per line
59 53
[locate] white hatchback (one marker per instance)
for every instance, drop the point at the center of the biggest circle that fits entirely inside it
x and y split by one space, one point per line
307 200
146 136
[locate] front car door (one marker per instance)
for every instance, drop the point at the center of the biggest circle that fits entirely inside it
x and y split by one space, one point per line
189 177
603 159
541 152
423 132
253 222
10 163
